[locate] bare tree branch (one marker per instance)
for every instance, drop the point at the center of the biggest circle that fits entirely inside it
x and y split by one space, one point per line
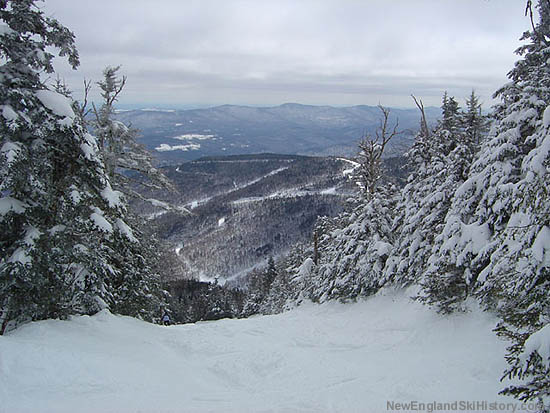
529 11
424 130
371 151
83 109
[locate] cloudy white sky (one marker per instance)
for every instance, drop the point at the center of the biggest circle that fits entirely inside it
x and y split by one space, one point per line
340 52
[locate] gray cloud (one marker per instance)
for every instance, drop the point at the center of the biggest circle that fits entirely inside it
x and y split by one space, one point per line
310 51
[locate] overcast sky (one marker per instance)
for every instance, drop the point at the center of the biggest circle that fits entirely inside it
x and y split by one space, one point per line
339 52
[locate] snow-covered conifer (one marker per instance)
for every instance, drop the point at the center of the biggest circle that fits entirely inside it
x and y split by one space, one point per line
122 154
438 162
474 123
517 277
59 216
494 244
490 206
353 253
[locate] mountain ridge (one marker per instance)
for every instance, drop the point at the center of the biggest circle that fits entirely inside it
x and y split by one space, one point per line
291 128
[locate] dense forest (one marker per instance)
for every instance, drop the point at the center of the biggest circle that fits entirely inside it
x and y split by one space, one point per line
472 221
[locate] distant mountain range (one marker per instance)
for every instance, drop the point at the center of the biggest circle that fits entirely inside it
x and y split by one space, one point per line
180 135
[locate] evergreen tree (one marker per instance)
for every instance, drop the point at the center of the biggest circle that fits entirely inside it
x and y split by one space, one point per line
517 278
122 154
295 270
62 228
263 290
450 120
352 256
443 282
494 244
270 274
439 161
474 123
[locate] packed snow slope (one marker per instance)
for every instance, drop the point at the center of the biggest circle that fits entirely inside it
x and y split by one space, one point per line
317 358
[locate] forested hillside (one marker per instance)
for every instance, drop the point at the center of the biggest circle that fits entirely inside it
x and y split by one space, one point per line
68 242
472 222
245 209
82 204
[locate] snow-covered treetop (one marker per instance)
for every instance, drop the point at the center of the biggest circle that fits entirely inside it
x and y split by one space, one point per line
28 42
25 36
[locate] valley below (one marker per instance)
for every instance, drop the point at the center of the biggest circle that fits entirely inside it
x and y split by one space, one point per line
241 210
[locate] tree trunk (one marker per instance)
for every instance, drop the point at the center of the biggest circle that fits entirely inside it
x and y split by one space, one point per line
315 248
5 320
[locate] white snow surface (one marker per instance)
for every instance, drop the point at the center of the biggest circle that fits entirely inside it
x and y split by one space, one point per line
475 234
539 342
100 222
75 196
125 229
157 203
5 29
89 147
9 204
316 358
20 256
8 113
541 246
10 150
31 235
113 198
193 136
56 102
305 269
164 147
546 117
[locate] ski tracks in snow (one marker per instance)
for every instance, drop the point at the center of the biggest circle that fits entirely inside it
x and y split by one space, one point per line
316 358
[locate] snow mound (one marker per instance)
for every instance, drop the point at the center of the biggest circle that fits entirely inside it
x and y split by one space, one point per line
8 113
57 103
317 358
100 222
539 342
9 204
10 150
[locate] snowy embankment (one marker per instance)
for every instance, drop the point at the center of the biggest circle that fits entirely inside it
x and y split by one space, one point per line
317 358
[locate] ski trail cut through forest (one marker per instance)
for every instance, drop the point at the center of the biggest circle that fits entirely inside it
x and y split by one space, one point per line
322 358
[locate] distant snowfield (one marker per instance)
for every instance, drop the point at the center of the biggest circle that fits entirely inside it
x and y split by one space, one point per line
287 193
195 203
164 147
193 136
317 358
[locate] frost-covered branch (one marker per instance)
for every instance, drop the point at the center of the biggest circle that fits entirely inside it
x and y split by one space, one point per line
117 142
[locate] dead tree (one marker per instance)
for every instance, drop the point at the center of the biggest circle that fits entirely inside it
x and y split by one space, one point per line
371 150
424 130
